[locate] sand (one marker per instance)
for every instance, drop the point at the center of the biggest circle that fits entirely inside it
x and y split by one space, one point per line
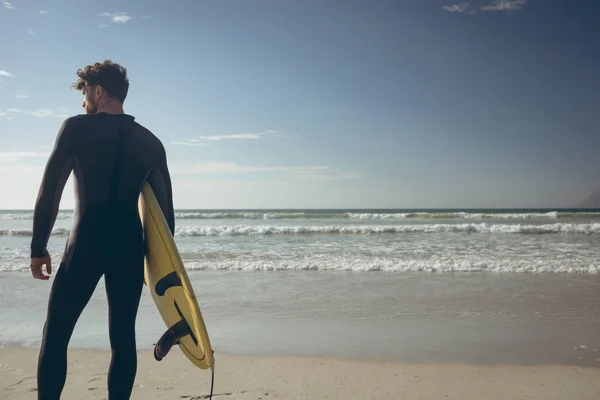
291 377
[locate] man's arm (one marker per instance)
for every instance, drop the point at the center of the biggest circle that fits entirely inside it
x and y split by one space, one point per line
58 169
160 180
164 171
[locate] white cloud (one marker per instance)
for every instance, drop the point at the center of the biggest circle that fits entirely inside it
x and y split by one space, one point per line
201 140
9 113
6 73
302 172
191 142
117 17
146 16
210 167
505 5
21 94
104 26
462 7
44 12
8 5
31 32
496 5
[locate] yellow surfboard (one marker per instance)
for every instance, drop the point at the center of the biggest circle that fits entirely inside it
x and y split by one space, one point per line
170 287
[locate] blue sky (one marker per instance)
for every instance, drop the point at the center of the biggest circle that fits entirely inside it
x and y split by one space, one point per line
322 104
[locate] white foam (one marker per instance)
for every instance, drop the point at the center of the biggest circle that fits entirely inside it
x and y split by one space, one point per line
29 232
462 215
246 230
394 265
370 265
348 215
249 230
29 216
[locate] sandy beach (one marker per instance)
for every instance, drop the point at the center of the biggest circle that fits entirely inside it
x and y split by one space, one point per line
274 377
473 336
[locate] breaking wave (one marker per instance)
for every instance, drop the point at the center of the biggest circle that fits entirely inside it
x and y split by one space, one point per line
247 230
373 264
258 215
261 230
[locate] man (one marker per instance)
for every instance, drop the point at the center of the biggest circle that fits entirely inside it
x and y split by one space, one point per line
111 157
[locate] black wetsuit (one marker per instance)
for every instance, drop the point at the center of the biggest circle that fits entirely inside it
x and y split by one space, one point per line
111 157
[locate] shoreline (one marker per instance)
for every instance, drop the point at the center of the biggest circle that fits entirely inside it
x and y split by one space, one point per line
350 358
303 377
480 319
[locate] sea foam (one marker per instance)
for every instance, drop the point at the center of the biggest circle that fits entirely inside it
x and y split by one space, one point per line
333 214
250 230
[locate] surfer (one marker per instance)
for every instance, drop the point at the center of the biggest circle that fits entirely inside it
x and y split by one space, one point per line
111 156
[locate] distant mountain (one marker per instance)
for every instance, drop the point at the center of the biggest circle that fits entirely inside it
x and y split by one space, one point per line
592 201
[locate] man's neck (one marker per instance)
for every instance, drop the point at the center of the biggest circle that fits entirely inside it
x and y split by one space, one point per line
112 108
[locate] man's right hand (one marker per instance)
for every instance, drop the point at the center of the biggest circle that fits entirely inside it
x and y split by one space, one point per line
36 265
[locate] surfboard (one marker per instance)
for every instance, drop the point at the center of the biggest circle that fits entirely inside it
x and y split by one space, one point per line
170 287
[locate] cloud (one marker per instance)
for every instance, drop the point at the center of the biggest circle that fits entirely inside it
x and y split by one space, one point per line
117 17
146 16
11 157
9 113
21 94
44 12
496 5
202 140
104 26
8 5
6 73
462 7
505 5
302 172
191 143
31 32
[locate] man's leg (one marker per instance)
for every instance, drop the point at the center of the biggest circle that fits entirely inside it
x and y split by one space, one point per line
71 290
123 288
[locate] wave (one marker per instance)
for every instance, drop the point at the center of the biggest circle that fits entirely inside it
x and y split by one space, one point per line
395 265
263 230
384 215
464 215
376 265
29 216
247 230
255 215
29 232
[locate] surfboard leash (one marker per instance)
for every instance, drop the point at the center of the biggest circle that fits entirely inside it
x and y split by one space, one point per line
212 379
212 383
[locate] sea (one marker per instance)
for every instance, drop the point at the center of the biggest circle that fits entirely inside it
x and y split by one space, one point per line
519 286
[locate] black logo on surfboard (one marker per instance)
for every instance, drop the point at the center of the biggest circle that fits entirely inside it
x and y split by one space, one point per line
166 282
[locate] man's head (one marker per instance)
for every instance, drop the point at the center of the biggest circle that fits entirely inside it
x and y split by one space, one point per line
102 83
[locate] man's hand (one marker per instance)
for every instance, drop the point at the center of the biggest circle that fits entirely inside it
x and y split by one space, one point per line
36 267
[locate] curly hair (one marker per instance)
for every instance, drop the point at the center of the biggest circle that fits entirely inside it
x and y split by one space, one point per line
111 76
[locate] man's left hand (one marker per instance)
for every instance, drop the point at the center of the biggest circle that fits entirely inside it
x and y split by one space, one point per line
36 267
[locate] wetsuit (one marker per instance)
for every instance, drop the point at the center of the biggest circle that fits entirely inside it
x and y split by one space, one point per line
111 156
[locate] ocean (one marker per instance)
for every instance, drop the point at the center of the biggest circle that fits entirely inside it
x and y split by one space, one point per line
400 284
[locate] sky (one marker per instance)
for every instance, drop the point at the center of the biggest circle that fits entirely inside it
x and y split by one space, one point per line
322 103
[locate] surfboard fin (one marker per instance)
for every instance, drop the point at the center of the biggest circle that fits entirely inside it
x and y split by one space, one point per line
170 338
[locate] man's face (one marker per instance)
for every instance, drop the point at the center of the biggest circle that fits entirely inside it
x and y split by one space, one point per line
90 103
